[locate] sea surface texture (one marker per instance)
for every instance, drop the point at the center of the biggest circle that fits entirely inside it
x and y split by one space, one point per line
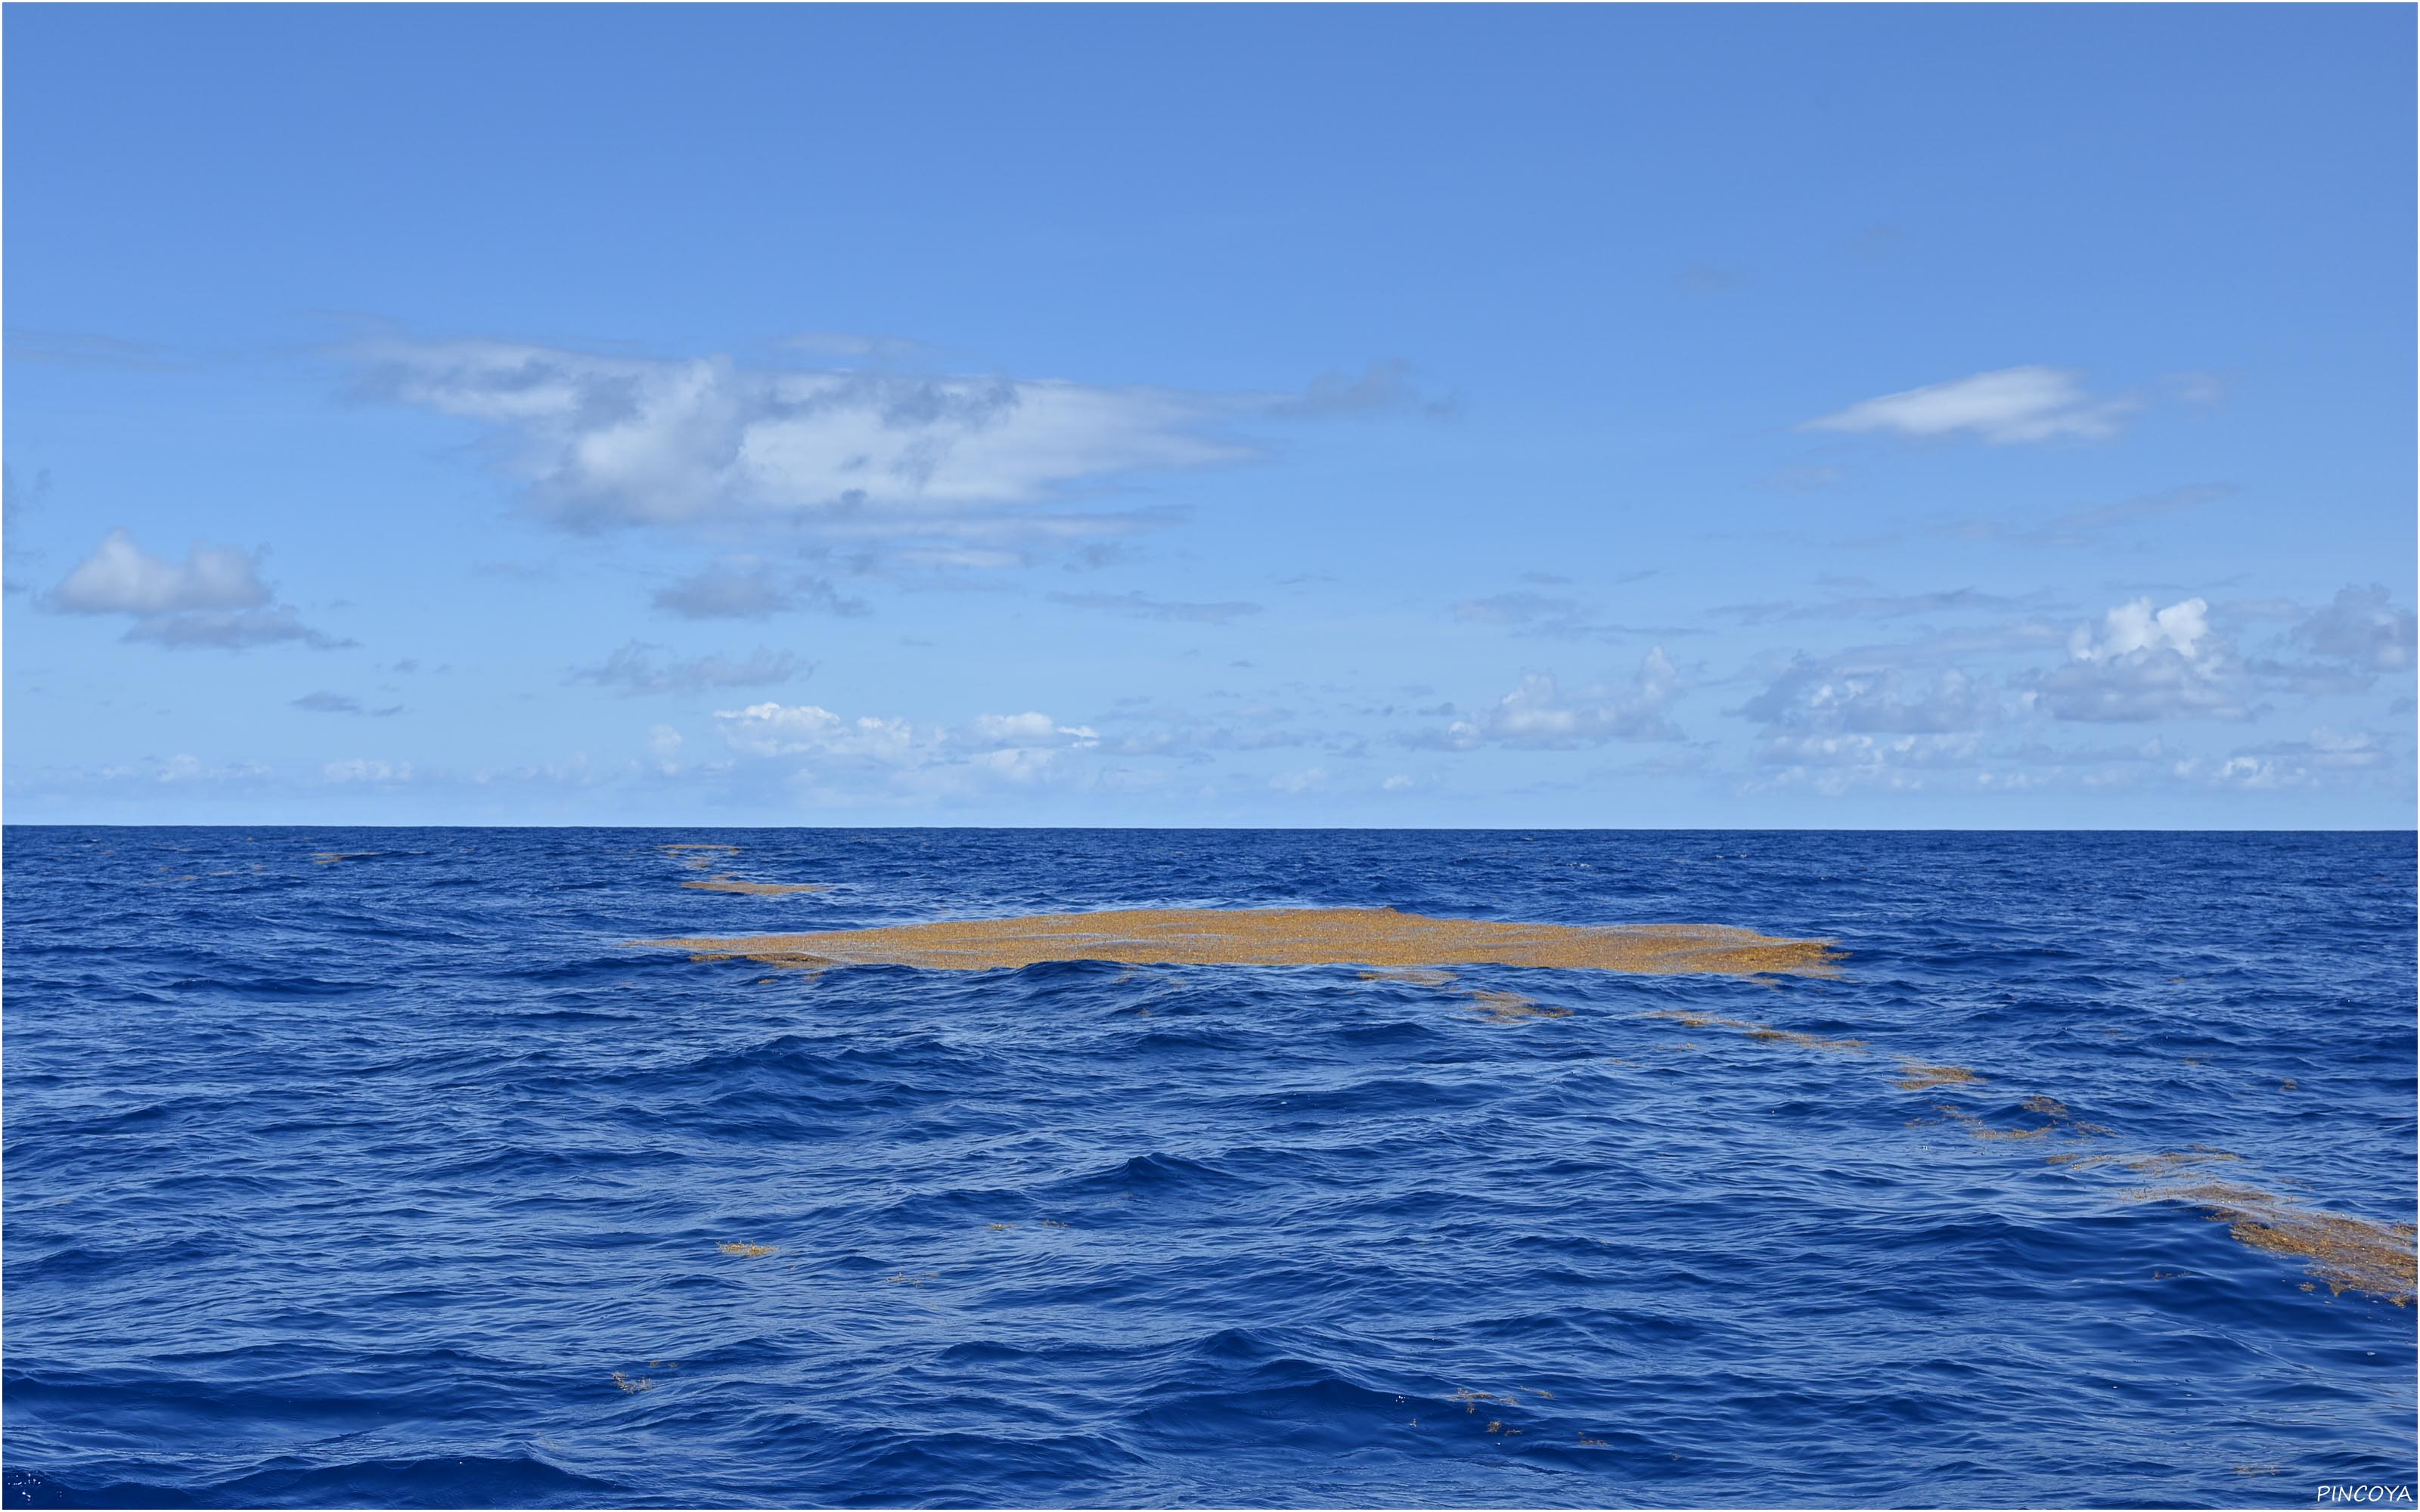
379 1167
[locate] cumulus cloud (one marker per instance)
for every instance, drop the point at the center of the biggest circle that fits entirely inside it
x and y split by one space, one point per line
634 669
120 578
2013 404
1538 715
1137 606
214 598
2145 664
749 587
622 440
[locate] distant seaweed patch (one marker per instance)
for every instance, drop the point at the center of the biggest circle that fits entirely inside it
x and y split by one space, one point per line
731 883
331 857
1689 1019
748 1251
1280 936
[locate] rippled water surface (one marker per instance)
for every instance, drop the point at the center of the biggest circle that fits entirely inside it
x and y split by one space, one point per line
404 1179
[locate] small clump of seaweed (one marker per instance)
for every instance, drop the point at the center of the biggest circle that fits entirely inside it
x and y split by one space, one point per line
1415 976
632 1384
747 1251
1919 1076
1690 1019
1507 1007
331 857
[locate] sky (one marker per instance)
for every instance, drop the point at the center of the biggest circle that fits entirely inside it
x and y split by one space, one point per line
1897 417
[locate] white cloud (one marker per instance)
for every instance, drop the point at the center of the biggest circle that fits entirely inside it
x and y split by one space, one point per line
1833 763
214 598
617 440
1536 714
2135 626
2145 664
120 578
1308 780
834 758
2013 404
360 770
664 748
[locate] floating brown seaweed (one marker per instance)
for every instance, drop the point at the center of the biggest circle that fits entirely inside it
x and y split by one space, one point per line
1918 1075
1279 936
748 1251
730 884
2343 1251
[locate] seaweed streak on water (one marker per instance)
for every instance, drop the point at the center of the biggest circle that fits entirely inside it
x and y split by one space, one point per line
1279 937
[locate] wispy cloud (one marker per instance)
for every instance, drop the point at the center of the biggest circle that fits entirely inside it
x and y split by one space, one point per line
2362 627
749 587
620 441
634 669
1868 606
324 702
1138 606
2013 404
1821 698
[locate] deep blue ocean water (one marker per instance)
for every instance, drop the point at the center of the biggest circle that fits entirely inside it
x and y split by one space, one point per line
402 1180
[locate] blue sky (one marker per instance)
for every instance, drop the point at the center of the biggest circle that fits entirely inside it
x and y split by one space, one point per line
1594 417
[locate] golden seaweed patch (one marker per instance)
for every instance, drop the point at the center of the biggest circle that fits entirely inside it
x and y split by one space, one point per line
747 1251
761 889
1507 1007
331 857
727 850
1918 1075
1279 937
2344 1252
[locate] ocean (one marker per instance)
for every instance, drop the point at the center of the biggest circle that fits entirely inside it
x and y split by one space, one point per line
381 1168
